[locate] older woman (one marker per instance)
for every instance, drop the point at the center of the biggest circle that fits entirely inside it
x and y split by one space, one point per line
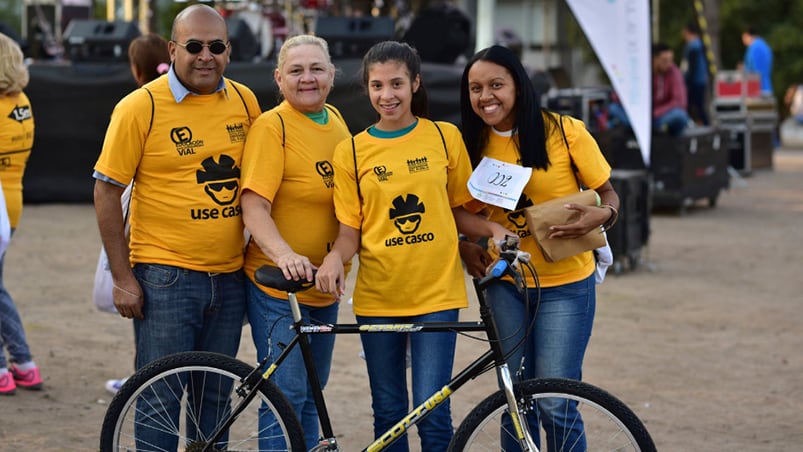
288 209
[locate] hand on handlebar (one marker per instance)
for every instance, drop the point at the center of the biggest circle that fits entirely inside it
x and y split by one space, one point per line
475 257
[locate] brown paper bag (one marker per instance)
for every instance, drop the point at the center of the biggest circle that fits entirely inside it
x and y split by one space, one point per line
541 216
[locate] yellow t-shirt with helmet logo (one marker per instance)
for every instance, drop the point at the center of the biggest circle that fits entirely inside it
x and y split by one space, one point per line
298 179
408 257
185 206
558 180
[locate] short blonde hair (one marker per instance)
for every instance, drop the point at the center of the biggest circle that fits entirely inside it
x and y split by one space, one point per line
300 40
13 71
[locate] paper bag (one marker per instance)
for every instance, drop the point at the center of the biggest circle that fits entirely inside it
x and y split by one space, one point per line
541 216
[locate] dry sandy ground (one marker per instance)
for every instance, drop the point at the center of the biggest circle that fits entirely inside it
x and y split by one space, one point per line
703 340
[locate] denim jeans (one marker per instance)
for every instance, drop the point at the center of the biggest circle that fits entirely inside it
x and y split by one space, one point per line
12 333
271 322
185 310
555 348
432 359
673 121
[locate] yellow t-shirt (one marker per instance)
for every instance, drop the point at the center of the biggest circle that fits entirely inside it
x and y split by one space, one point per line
16 141
298 179
409 261
558 180
185 207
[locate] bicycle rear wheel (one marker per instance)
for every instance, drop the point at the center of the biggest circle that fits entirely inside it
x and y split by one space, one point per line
177 402
591 419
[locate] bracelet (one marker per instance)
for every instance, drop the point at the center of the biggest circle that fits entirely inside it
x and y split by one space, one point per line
612 220
131 294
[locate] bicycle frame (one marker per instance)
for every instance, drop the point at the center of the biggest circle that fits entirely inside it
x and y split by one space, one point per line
494 357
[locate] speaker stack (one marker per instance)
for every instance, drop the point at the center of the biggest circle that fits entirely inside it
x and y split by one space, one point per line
351 37
99 41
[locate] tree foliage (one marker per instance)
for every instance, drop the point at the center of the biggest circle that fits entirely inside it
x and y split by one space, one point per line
777 21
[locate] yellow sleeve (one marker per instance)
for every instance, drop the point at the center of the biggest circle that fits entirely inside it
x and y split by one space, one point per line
263 156
348 205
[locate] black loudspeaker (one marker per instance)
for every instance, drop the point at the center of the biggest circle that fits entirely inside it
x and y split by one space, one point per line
244 45
440 33
351 37
99 41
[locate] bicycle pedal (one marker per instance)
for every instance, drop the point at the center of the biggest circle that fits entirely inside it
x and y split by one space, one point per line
325 445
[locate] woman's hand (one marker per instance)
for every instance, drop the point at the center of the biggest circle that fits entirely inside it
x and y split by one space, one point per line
331 276
591 217
475 257
295 266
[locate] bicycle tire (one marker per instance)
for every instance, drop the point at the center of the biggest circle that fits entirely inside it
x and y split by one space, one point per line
170 380
607 423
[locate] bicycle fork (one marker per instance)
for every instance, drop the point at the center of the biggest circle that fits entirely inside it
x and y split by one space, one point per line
517 414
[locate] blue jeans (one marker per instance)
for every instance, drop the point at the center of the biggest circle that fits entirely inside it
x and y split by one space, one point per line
432 359
556 346
12 333
271 322
673 122
185 310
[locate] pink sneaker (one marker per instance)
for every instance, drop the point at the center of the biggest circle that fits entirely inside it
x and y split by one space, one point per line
30 379
7 385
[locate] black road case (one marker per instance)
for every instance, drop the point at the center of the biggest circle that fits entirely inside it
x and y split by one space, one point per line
690 167
632 231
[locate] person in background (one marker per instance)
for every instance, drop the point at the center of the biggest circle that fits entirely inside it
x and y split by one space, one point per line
287 185
695 73
399 190
758 59
668 92
16 141
149 59
502 119
179 276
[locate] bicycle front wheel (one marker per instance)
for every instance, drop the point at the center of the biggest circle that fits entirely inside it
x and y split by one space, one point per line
563 415
179 401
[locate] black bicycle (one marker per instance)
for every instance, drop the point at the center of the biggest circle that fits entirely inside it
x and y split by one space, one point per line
171 396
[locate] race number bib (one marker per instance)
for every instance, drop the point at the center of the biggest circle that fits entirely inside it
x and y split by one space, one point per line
498 183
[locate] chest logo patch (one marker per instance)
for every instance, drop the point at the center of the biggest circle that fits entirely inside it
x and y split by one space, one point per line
325 169
20 114
182 137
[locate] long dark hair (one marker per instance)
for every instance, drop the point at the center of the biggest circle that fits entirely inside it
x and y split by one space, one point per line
529 119
401 52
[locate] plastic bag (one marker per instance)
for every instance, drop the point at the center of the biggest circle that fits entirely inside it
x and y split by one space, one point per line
102 290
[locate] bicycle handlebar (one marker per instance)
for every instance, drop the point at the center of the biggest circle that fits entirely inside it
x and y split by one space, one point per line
509 257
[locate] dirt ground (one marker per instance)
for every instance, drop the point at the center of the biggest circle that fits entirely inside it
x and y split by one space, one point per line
703 340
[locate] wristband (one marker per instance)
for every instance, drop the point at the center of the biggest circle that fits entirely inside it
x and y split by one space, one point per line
612 219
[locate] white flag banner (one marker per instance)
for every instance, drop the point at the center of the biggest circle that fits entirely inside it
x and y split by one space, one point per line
619 32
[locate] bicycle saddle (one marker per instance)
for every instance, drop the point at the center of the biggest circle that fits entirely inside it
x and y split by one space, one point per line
273 277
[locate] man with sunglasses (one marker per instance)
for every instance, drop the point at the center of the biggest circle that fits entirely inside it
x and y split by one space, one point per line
180 138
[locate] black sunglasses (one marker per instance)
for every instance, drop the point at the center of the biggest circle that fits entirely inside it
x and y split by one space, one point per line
196 47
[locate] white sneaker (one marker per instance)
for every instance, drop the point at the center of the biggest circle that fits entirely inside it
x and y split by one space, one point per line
114 385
